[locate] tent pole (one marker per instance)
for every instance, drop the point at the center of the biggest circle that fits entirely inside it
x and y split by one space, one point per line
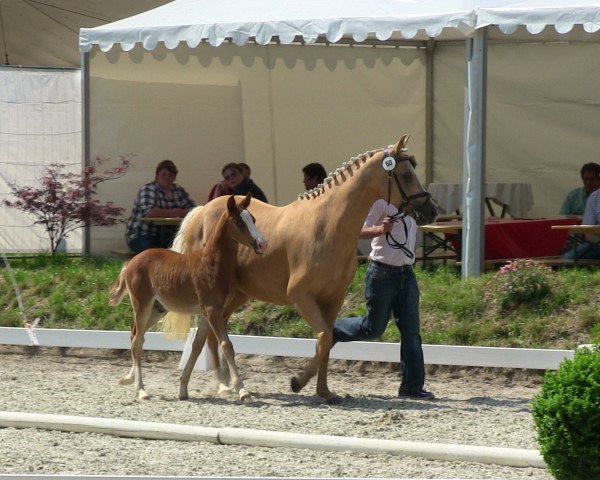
429 166
85 129
474 154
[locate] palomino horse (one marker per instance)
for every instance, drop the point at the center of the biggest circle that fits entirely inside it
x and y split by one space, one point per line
194 283
312 249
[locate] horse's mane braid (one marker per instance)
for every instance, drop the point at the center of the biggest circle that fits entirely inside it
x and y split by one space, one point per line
354 161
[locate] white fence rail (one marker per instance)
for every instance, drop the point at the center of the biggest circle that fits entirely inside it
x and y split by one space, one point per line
543 359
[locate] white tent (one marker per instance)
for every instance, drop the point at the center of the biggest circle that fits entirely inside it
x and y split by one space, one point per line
289 84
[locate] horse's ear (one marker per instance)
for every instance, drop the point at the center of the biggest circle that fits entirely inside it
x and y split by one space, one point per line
401 144
231 205
246 201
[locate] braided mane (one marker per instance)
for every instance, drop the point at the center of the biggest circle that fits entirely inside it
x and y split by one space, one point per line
354 161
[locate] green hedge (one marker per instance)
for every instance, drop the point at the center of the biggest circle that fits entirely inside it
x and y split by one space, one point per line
567 417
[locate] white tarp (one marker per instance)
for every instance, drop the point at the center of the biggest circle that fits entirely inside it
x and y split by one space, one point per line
40 124
46 32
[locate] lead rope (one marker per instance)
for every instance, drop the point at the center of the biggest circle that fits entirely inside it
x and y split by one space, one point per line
393 243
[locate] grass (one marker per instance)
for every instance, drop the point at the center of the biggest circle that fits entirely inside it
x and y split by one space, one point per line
71 292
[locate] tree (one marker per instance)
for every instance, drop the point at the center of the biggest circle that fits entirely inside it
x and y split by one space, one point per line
64 201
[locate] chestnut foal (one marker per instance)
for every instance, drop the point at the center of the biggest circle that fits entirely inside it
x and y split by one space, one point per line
200 282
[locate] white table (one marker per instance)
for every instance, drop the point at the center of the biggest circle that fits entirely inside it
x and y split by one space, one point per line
515 199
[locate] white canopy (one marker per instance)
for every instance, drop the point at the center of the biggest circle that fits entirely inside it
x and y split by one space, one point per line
45 33
378 21
193 21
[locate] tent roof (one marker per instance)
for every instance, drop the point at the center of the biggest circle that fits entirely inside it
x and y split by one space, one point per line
46 32
193 21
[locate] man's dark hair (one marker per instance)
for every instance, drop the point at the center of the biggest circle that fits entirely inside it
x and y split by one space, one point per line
167 165
591 167
315 170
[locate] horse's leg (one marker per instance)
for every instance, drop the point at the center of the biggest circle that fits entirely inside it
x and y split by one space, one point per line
197 345
218 326
307 307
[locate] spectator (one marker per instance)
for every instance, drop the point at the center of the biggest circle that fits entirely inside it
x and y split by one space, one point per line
574 203
248 185
232 177
589 248
314 174
160 198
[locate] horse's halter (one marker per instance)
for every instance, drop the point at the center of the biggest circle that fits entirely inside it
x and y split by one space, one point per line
406 204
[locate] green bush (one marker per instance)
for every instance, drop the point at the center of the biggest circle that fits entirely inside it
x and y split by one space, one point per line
519 282
566 413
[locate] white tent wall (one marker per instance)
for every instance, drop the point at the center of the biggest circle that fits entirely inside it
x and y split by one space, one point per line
275 107
40 124
543 106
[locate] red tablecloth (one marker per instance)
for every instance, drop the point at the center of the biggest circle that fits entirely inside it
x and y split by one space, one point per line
522 238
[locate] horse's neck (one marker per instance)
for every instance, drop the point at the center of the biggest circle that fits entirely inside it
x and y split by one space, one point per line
220 246
347 201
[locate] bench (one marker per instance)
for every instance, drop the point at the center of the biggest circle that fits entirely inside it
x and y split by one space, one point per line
550 261
123 253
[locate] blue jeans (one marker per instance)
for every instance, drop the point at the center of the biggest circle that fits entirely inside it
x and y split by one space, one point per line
390 290
144 242
583 250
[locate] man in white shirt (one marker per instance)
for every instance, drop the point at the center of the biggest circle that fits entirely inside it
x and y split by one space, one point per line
391 287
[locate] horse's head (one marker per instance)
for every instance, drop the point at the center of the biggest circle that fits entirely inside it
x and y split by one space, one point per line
245 230
416 201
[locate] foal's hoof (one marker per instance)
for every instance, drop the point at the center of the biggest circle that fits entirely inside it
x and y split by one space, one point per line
295 385
334 400
143 395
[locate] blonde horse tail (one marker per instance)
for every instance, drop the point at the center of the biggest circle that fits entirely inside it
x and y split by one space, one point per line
118 289
176 325
181 241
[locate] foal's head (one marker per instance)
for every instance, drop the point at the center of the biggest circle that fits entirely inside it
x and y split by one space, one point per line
244 230
416 202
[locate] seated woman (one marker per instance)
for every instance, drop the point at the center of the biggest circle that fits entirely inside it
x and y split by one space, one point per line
236 181
160 198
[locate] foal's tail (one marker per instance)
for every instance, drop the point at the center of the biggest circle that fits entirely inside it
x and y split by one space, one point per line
118 289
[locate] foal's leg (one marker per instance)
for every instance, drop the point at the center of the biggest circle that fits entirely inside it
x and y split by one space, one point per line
145 315
197 346
222 376
218 326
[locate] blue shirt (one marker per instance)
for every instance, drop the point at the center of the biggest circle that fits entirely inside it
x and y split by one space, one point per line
574 203
591 215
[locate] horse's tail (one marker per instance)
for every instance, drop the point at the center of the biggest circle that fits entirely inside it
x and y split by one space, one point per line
118 289
176 325
182 239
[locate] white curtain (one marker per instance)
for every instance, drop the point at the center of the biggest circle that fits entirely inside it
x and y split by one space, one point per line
40 124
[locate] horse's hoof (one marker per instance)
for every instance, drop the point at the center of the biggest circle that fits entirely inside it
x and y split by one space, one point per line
125 381
245 396
143 396
224 392
184 396
334 400
295 385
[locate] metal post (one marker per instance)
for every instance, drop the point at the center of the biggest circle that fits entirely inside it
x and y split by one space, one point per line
474 154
